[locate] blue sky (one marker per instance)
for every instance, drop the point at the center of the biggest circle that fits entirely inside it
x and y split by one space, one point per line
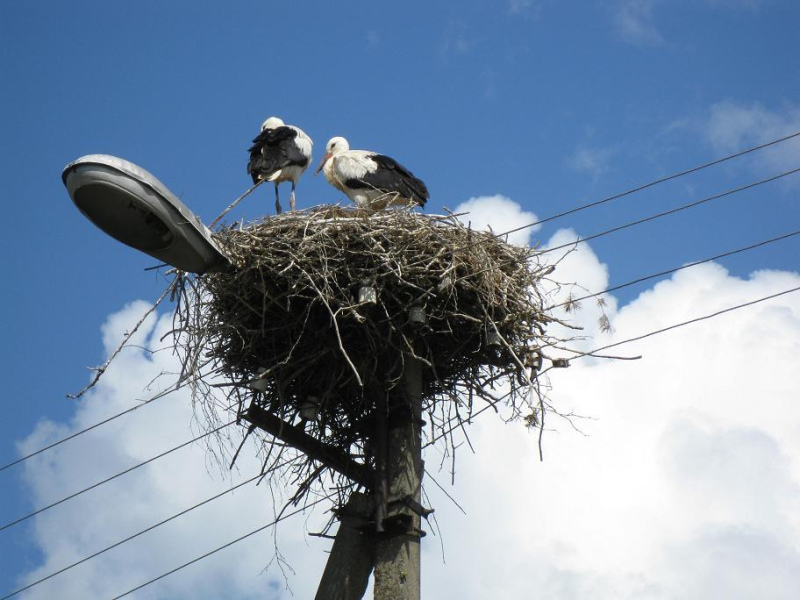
549 104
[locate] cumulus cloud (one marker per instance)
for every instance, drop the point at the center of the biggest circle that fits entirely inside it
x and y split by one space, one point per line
498 214
732 126
131 503
683 483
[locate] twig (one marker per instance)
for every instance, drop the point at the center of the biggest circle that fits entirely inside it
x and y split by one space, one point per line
235 202
126 338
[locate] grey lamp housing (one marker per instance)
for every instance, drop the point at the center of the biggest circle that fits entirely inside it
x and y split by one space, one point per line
135 208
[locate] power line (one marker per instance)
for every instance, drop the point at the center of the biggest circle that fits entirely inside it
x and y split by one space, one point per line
231 543
129 538
593 352
96 425
629 191
553 217
654 183
493 236
633 339
640 221
650 334
676 269
674 210
120 474
82 431
689 322
533 224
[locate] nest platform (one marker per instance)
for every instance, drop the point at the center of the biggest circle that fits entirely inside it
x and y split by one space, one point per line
322 308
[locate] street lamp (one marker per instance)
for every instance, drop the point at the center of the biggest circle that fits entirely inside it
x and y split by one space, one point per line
135 208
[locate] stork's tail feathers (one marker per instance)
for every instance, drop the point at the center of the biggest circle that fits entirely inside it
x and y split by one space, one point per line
418 191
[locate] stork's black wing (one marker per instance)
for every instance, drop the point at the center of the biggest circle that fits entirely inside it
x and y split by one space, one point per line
274 149
391 176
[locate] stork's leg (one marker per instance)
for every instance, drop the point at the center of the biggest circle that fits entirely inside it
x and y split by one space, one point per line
277 200
291 198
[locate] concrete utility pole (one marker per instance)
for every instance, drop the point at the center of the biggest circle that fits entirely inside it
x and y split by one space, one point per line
347 571
383 532
397 548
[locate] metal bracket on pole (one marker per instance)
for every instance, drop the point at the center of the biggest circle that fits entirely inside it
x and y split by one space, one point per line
294 436
412 504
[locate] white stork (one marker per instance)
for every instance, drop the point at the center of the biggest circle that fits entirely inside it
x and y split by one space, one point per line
279 153
369 179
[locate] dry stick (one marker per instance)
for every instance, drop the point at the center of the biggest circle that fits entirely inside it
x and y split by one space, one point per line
317 244
235 202
336 327
102 369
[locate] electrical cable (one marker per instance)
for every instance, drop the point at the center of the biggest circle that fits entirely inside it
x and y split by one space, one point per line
654 183
690 321
82 431
676 269
671 211
96 425
231 543
633 339
528 225
551 218
129 538
120 474
591 353
675 210
629 191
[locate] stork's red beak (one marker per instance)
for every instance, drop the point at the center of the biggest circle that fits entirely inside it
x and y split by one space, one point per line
322 162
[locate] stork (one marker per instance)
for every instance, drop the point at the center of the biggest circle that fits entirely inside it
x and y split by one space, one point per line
369 179
279 153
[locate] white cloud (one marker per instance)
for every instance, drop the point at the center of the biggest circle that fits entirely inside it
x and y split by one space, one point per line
498 214
733 126
685 485
131 503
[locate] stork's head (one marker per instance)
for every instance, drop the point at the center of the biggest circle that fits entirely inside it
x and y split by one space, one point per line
335 146
271 123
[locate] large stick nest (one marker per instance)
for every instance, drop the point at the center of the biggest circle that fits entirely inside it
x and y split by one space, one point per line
325 306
